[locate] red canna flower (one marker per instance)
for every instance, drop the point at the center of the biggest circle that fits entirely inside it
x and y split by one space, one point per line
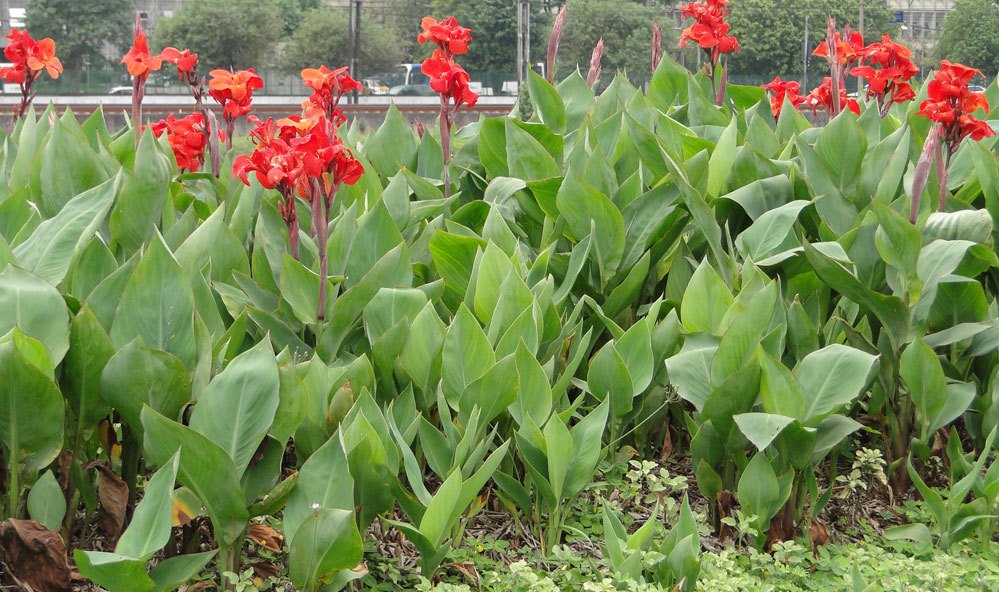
187 137
848 50
138 60
185 61
449 79
822 95
28 55
447 34
234 90
328 86
710 32
952 105
28 58
887 68
783 90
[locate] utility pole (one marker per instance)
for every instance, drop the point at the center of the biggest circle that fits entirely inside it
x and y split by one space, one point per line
354 43
804 59
520 44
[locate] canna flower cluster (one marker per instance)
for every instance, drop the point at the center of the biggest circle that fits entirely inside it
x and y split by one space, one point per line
710 33
840 52
827 94
186 62
303 155
847 49
234 91
447 78
782 90
328 86
28 59
188 138
887 67
952 104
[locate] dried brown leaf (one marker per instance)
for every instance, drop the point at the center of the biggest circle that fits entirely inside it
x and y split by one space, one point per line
265 536
35 555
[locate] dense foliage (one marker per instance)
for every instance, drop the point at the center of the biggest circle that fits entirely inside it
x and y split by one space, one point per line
82 27
966 36
322 39
625 275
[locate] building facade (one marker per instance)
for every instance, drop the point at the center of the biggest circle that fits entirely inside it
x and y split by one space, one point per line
922 21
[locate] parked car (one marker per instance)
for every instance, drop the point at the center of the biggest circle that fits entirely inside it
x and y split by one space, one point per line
976 88
412 90
374 86
120 90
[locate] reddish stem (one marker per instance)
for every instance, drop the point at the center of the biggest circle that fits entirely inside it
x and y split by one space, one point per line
942 173
446 115
320 221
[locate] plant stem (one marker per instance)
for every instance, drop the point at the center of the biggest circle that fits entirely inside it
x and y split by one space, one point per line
13 493
942 206
320 220
446 144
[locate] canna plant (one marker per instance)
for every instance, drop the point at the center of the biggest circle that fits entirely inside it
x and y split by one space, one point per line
28 58
710 33
139 63
447 78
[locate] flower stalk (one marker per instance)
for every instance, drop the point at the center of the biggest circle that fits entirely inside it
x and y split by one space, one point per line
553 43
710 33
447 78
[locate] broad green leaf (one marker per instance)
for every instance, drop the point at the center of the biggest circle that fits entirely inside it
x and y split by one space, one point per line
36 308
548 102
89 352
760 491
780 391
205 468
325 480
587 443
527 158
143 194
762 428
720 165
137 375
149 530
157 306
559 445
393 146
327 542
114 572
589 212
68 166
770 231
831 377
492 393
31 412
969 225
46 502
56 242
171 573
705 301
213 243
467 354
237 409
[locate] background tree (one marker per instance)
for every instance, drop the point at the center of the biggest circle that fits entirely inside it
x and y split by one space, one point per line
294 11
772 32
970 35
322 39
81 28
494 32
224 33
626 28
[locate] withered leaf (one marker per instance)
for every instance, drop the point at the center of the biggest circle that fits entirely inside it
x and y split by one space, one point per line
112 493
35 555
265 536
